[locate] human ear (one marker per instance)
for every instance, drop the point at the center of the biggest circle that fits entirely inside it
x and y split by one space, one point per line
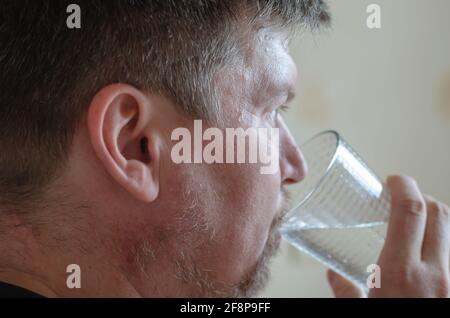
120 129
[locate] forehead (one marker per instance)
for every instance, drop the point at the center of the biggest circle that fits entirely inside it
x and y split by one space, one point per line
264 77
268 67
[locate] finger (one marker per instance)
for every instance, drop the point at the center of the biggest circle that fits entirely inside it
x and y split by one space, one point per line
436 244
407 220
343 288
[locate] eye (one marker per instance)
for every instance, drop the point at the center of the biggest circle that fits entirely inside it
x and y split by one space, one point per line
283 109
273 115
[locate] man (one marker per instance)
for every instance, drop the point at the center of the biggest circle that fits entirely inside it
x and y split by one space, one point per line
86 173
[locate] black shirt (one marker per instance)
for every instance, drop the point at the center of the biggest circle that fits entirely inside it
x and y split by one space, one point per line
12 291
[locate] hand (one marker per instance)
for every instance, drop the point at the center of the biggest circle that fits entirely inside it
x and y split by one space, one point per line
414 261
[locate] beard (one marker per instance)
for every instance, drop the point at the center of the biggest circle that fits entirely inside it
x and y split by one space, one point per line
257 278
189 273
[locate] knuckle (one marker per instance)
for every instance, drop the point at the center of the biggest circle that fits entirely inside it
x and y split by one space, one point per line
433 207
438 210
412 206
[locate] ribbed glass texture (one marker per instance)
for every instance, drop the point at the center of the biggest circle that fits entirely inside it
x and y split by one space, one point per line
340 209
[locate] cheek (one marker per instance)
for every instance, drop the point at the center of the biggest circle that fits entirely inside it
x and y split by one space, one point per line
245 219
237 201
265 201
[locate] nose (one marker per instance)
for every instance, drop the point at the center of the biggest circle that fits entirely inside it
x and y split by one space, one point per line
293 167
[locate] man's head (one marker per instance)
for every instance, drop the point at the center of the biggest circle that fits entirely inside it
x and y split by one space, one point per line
86 117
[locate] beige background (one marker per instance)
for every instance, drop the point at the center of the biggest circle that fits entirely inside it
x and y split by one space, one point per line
387 91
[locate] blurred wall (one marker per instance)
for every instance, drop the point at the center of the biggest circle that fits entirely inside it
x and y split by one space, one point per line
387 91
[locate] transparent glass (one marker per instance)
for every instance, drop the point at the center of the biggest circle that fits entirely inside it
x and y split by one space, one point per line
340 209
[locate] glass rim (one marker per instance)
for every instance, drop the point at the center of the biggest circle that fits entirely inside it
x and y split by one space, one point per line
327 170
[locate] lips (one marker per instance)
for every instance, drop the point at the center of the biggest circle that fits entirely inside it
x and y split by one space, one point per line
274 234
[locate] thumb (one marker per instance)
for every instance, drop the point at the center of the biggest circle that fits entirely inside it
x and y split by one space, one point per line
342 288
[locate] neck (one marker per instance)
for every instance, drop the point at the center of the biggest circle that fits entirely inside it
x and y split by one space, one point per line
94 282
48 272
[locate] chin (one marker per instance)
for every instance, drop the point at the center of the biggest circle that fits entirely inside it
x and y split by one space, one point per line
259 274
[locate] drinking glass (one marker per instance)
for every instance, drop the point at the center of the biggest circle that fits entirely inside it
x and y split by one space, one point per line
340 209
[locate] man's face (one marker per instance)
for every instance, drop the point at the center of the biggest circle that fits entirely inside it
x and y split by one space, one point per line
221 220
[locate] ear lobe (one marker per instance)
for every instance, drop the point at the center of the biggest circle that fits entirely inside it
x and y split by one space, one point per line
141 181
119 120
